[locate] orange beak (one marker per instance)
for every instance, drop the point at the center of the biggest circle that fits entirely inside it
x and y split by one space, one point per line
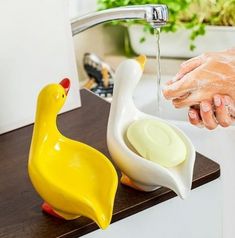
65 83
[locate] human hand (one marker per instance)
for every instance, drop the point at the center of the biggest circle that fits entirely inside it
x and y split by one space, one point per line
220 111
202 77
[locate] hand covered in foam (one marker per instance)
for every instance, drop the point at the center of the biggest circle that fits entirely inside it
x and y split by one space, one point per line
202 77
221 111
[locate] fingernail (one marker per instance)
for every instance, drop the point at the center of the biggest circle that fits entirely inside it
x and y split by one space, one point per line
205 107
217 100
192 114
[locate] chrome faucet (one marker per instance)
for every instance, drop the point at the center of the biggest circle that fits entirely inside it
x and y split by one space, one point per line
156 15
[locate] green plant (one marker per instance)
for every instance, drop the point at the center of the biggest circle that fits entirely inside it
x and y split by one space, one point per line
189 14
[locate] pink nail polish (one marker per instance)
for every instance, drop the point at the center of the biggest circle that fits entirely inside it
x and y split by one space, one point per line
205 107
217 101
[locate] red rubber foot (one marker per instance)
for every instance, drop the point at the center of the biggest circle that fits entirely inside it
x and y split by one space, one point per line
47 209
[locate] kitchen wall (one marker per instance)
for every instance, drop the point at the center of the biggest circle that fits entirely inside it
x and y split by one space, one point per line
36 49
81 7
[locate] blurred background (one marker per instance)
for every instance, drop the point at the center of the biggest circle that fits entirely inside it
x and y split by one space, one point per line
194 27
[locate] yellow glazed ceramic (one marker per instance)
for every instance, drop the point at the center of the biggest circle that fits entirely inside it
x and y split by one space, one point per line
73 178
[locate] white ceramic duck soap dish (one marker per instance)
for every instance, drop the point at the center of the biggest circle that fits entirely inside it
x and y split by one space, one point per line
149 151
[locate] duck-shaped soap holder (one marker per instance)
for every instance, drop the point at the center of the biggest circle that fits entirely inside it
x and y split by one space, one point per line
72 178
150 151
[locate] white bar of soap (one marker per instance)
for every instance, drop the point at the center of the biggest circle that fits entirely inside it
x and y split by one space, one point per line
157 141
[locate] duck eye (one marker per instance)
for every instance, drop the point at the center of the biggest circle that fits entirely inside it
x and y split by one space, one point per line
62 95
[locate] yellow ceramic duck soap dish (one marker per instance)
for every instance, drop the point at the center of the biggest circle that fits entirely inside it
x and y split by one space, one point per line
73 178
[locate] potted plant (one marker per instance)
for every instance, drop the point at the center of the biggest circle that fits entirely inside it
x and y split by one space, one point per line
194 26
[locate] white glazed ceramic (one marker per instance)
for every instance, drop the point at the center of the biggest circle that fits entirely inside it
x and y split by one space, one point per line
144 174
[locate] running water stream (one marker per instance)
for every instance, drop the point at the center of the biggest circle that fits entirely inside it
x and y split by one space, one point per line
157 35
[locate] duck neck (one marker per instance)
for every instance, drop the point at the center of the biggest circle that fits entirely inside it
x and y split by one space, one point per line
45 124
122 98
127 78
122 103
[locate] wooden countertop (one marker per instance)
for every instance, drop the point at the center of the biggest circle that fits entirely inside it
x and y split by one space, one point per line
20 212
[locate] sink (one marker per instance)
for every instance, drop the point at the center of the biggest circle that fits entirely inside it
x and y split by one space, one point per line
217 145
145 98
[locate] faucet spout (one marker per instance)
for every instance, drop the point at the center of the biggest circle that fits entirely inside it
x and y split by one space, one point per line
156 15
